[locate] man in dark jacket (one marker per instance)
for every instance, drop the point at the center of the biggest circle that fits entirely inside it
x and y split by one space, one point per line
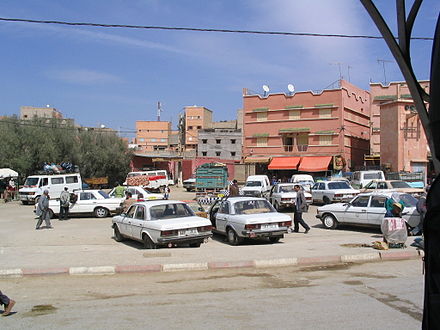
43 210
300 207
234 190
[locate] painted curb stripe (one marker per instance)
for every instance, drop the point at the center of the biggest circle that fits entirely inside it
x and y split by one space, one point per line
138 269
233 264
275 262
45 271
184 267
361 257
101 270
399 255
11 272
319 260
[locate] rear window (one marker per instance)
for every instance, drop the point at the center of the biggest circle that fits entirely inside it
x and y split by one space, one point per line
170 211
338 185
400 184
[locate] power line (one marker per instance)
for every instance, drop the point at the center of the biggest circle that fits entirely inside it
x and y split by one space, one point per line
176 28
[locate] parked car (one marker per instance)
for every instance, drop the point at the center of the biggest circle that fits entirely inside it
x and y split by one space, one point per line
190 184
366 209
333 191
139 193
197 208
256 185
248 217
161 223
361 178
305 180
283 195
86 202
396 185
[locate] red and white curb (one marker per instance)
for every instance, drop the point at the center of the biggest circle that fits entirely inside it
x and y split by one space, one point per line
203 266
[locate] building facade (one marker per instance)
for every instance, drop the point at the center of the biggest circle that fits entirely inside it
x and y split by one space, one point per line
152 135
29 112
222 143
196 118
333 124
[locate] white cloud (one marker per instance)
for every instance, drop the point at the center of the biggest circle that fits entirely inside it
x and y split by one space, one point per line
83 76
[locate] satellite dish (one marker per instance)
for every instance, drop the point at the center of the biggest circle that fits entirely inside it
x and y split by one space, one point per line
291 88
266 88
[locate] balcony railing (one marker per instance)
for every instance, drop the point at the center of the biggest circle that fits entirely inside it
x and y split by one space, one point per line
296 148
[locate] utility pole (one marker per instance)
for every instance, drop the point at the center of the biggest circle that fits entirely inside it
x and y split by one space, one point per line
383 65
159 110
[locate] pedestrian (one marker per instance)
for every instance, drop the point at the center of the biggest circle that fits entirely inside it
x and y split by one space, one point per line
167 191
421 208
43 210
64 204
234 189
7 302
2 188
119 191
128 201
12 188
300 207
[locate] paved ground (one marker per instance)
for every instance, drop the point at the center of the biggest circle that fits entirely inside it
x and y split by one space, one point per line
88 242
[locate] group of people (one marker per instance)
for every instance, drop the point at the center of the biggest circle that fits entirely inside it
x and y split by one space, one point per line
43 211
299 208
8 189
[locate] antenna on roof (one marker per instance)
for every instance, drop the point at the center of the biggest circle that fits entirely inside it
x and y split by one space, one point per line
159 110
266 89
383 65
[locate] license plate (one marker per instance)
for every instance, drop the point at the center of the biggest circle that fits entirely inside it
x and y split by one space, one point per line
188 232
269 226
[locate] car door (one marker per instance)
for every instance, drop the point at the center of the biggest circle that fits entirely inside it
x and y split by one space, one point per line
356 211
318 191
222 216
137 222
86 202
376 210
272 194
125 224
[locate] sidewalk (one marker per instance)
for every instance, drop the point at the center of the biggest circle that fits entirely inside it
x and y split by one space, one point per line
86 246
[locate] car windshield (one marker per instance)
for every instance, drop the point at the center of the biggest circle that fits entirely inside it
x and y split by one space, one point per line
408 200
338 185
31 182
170 211
253 206
103 194
253 184
400 184
373 176
286 188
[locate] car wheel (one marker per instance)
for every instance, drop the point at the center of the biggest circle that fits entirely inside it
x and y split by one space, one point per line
233 238
329 221
274 239
148 243
326 200
118 236
276 206
25 202
101 212
195 245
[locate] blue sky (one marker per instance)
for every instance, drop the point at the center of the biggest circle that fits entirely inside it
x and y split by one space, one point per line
116 76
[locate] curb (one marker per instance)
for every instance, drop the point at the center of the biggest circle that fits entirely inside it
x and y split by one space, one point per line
203 266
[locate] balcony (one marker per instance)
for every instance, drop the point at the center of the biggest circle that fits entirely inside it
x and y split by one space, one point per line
296 148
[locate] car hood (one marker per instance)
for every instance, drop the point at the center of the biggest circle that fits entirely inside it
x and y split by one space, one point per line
178 223
260 218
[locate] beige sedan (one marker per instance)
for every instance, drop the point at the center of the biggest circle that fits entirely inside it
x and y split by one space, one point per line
396 185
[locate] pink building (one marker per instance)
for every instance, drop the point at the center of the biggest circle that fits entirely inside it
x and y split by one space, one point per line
152 135
196 118
315 130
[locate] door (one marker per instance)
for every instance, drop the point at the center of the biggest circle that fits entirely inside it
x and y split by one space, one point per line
272 194
376 211
86 203
317 191
222 216
356 211
125 224
56 187
137 222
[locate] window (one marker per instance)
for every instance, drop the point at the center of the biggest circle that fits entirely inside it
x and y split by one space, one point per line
294 114
288 143
233 153
140 213
338 185
170 211
218 141
130 213
204 141
190 127
383 185
361 201
86 196
378 201
325 113
233 141
44 182
71 179
261 141
57 180
153 140
204 153
141 140
224 208
163 140
325 140
261 116
321 186
199 127
217 153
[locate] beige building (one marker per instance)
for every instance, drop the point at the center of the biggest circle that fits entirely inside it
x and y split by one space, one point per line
152 135
196 118
28 112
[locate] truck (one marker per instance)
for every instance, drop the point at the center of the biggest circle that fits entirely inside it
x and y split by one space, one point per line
211 178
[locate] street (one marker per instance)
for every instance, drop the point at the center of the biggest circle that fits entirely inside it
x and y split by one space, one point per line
367 296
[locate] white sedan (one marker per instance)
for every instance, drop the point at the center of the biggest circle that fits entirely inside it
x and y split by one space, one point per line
95 202
333 191
366 209
161 223
283 195
139 193
248 217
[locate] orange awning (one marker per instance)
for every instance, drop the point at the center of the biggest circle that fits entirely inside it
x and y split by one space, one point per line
314 163
284 163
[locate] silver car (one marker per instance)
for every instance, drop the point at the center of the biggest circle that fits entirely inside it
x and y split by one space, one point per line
326 192
248 217
161 223
282 195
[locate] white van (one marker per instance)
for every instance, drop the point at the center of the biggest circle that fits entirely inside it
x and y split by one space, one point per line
361 178
305 180
256 185
35 185
157 179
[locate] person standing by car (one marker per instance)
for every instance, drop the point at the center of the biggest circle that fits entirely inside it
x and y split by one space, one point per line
234 189
119 191
166 193
43 210
64 204
128 201
300 207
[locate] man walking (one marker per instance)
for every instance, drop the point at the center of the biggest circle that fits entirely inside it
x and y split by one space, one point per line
300 207
64 204
7 302
43 210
